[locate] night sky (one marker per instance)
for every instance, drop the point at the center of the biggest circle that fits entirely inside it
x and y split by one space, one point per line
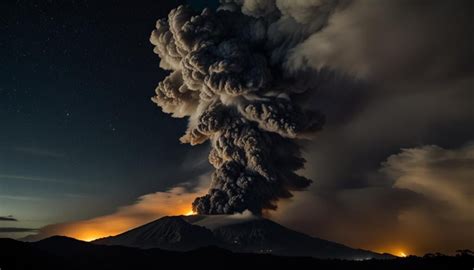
79 134
84 151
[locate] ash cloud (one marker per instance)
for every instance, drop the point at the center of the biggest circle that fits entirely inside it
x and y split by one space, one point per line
420 201
442 175
390 75
224 76
392 41
387 75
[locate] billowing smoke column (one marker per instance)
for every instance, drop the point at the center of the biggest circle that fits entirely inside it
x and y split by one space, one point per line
226 76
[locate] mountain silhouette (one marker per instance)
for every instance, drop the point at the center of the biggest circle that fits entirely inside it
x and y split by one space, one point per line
59 253
249 234
172 233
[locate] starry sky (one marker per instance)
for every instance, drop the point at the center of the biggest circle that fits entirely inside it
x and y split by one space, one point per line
73 140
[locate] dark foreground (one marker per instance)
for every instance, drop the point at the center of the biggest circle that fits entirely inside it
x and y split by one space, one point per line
67 253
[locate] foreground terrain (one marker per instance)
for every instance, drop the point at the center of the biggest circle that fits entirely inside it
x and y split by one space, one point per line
65 253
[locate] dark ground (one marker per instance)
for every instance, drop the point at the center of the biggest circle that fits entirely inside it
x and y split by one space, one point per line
66 253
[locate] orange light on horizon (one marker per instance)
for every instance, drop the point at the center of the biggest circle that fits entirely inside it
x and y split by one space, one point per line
190 213
112 225
398 251
89 238
86 235
173 202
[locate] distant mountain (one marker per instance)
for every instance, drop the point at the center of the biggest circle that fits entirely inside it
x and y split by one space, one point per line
249 234
172 233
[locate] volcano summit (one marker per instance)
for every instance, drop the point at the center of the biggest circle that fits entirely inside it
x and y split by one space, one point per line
239 233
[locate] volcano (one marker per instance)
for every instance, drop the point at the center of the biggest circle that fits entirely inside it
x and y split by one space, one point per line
247 234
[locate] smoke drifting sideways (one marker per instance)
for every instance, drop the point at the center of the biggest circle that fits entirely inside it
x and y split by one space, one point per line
227 77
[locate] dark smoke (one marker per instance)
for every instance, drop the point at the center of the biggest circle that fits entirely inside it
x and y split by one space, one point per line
226 78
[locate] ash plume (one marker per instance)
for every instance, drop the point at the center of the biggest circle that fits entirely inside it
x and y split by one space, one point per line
227 77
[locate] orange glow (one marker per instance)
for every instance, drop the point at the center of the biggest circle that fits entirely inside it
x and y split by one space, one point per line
190 213
174 202
90 238
399 251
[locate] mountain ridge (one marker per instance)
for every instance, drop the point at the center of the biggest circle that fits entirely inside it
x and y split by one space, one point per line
61 253
243 234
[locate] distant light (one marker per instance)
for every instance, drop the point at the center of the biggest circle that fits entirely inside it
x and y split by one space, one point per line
190 213
89 239
402 254
87 235
362 259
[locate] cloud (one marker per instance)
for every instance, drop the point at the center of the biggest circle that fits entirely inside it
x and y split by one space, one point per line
421 201
214 221
8 218
19 198
175 201
16 230
443 176
388 75
392 40
359 62
223 79
391 75
30 178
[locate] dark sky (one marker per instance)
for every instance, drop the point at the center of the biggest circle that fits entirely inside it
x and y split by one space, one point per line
77 123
